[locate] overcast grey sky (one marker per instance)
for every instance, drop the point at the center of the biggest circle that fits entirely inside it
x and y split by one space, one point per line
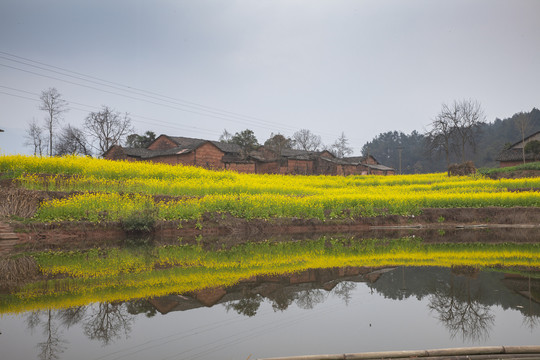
361 67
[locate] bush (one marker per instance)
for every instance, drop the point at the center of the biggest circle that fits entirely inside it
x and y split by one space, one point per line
139 222
466 168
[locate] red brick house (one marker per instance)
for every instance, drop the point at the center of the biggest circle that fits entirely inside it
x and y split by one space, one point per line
188 151
514 154
219 155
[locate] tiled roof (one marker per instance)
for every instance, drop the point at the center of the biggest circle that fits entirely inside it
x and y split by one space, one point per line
148 154
193 143
524 140
235 158
380 167
226 147
355 159
514 155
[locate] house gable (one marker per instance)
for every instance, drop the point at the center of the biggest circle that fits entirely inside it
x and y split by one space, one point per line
521 144
163 142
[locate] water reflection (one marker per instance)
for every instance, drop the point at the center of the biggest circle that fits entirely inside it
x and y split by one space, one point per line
53 345
461 299
459 308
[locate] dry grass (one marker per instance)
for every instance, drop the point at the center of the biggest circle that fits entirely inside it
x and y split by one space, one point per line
17 270
18 202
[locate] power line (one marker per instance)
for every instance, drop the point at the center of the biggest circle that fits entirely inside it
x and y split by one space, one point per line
131 89
133 117
209 111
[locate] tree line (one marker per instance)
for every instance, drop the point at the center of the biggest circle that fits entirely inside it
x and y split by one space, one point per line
101 129
439 145
302 139
457 133
107 127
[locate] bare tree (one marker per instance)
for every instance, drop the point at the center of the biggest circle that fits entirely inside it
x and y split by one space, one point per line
466 124
457 124
523 123
72 140
55 106
341 146
107 127
35 138
439 138
226 136
306 140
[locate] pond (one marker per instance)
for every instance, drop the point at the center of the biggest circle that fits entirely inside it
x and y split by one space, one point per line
336 309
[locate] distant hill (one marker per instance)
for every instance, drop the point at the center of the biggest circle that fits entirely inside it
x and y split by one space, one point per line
490 140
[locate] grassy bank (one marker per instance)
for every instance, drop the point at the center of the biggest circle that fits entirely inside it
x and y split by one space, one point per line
100 190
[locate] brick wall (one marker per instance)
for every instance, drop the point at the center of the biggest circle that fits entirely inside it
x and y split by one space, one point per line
371 160
349 170
300 167
248 168
186 159
511 163
322 167
162 143
209 156
268 167
116 153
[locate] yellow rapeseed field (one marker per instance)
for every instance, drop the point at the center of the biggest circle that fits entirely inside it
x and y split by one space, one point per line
111 190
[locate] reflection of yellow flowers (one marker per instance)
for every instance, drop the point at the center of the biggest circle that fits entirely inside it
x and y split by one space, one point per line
104 187
122 274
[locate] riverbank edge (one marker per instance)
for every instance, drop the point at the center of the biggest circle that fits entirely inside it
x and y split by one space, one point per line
230 230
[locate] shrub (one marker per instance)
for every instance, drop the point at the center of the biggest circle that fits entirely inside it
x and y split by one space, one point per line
139 221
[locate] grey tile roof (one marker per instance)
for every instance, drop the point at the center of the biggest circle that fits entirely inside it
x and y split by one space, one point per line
147 154
514 155
380 167
193 143
226 147
187 143
526 139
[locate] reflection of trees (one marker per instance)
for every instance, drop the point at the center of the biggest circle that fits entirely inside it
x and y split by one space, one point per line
107 322
72 316
140 306
53 345
248 305
308 298
461 311
531 320
281 299
103 322
343 290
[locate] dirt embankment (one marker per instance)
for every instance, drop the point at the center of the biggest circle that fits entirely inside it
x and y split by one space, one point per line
433 225
515 174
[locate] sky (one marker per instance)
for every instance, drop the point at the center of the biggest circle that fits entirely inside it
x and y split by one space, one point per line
195 68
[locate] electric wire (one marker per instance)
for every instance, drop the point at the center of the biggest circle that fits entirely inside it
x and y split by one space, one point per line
96 108
209 111
137 91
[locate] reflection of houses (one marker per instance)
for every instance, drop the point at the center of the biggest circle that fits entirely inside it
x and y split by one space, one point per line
514 154
275 288
219 155
525 286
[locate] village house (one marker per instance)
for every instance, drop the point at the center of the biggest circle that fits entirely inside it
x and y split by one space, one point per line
220 155
514 154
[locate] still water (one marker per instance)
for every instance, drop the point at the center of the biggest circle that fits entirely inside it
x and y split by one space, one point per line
317 311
